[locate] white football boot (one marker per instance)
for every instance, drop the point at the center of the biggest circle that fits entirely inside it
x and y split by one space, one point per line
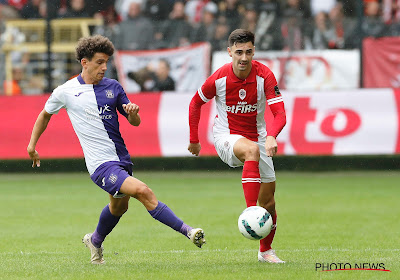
196 235
96 253
269 256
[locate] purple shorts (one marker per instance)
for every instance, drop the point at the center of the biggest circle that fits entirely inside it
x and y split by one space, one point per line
110 175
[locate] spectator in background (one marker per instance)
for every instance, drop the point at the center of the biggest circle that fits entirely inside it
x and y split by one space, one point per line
96 6
250 18
161 76
323 34
76 10
233 11
194 10
17 4
293 27
342 26
109 29
157 10
292 31
267 30
299 6
152 78
136 32
176 30
372 26
204 32
122 7
35 9
13 87
219 41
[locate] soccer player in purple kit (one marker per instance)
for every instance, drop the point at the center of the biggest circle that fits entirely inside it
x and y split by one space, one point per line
92 102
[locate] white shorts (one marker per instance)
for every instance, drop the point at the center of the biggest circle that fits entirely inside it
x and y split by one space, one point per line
224 146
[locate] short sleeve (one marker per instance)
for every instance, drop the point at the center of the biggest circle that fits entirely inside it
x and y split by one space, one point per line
55 102
207 91
122 99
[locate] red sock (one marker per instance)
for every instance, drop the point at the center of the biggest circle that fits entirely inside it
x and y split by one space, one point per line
251 182
265 244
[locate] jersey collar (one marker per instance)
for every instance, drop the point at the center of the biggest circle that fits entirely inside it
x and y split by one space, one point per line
250 79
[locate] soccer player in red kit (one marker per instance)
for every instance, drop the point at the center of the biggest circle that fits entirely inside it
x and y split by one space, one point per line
242 90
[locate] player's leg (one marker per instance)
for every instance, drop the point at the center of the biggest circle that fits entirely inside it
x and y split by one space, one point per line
109 177
266 199
109 218
160 211
248 152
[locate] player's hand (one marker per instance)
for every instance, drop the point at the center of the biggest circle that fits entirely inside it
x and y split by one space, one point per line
131 109
271 146
194 148
34 155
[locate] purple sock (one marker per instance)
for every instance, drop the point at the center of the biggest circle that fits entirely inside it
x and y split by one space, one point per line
106 224
165 215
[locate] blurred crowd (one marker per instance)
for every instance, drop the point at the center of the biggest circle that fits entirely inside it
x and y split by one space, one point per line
278 24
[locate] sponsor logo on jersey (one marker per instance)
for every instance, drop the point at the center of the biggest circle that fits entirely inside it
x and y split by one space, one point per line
242 93
109 94
77 95
92 114
241 108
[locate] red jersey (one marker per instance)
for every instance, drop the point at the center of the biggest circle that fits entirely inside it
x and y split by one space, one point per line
240 103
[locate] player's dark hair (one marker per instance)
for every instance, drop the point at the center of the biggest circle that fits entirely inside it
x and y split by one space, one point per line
240 36
87 47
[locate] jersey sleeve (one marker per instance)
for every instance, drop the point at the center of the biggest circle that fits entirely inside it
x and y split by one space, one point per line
207 91
122 99
276 105
55 102
204 94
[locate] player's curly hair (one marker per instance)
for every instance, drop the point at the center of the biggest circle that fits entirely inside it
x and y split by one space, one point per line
87 47
240 36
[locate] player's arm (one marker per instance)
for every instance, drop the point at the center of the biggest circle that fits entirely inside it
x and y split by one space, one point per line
277 108
133 113
194 119
38 129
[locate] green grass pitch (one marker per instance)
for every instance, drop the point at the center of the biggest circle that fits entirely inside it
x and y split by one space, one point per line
350 217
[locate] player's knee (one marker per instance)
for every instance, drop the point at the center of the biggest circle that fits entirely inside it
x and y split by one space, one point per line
252 152
143 192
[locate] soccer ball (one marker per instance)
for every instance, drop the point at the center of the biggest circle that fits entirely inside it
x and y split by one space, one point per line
255 223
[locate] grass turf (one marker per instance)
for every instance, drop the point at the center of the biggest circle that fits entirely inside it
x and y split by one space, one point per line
350 217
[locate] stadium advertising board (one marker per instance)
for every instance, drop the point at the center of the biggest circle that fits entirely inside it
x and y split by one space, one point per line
307 70
189 66
381 62
318 123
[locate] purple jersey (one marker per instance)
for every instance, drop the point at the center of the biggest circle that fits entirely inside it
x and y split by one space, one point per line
92 110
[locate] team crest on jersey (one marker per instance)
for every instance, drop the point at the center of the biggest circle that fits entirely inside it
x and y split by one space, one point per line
109 94
277 92
113 178
242 93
